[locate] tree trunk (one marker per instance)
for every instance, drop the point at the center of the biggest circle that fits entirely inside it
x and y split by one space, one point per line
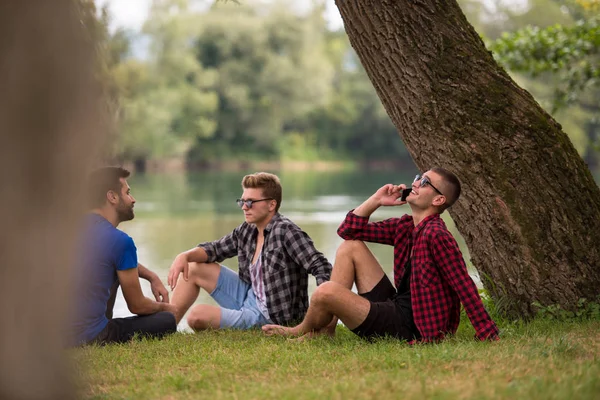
48 134
530 209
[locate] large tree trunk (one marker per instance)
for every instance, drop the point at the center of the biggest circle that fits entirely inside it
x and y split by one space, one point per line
530 210
48 132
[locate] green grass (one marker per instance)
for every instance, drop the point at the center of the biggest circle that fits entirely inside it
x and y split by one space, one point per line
544 359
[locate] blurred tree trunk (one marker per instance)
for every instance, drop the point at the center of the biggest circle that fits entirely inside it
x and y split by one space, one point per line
48 132
530 210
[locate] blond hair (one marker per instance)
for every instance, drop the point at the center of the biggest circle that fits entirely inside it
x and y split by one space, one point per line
269 183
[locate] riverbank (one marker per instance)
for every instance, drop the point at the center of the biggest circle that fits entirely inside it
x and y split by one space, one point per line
544 359
178 165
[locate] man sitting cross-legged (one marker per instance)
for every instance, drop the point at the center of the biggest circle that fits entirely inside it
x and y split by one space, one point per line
108 260
274 257
430 275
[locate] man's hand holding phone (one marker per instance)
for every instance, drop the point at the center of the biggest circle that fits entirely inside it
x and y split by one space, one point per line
387 195
391 195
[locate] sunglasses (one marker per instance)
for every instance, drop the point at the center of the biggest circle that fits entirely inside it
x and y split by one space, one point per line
248 203
424 181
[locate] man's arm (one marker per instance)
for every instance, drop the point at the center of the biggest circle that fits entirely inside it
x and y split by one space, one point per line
216 251
301 249
181 264
448 256
388 195
158 289
137 303
356 226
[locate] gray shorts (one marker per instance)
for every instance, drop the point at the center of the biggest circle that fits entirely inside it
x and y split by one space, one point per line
237 300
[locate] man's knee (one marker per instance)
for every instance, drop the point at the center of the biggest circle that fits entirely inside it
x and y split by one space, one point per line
326 294
195 269
166 322
200 318
350 247
204 273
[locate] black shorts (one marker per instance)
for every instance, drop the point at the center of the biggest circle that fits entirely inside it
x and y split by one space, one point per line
121 330
385 317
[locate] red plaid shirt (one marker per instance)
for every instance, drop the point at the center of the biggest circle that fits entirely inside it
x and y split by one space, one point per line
439 279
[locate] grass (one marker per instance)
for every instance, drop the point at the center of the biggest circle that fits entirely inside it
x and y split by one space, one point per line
544 359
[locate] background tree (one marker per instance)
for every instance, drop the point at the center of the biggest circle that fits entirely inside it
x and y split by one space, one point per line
242 82
345 124
270 69
570 56
454 107
262 103
165 102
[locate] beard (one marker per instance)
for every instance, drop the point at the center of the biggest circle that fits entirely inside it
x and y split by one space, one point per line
124 213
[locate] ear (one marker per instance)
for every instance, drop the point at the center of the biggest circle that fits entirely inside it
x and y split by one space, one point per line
439 200
272 205
112 197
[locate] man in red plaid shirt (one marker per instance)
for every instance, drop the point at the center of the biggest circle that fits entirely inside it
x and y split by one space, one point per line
430 275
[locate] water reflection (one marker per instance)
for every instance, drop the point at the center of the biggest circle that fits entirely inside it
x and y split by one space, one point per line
176 212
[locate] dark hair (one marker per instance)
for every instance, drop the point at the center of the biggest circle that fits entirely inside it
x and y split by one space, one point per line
103 180
269 184
451 186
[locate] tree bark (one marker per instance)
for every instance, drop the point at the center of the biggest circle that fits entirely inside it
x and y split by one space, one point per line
530 209
49 128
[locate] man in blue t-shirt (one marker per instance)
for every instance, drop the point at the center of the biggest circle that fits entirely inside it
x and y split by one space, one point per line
109 259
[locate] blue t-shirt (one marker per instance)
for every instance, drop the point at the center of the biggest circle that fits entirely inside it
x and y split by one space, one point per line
105 249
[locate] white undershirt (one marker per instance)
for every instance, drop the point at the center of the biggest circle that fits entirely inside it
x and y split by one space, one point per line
258 285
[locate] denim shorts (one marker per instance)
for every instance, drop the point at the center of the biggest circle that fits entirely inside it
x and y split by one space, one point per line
239 309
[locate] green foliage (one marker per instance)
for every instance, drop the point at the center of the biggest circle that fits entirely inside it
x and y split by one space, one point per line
108 51
256 81
248 81
270 69
567 56
571 52
497 308
296 146
586 310
347 123
491 18
165 103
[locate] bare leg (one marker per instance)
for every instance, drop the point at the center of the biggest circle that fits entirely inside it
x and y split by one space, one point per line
354 264
329 300
204 316
203 276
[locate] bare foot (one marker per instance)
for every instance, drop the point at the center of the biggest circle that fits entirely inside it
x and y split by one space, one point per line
327 331
278 330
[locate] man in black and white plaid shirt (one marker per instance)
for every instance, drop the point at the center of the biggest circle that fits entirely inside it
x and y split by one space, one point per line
274 255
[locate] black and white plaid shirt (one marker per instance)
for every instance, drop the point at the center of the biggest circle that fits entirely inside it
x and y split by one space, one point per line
288 255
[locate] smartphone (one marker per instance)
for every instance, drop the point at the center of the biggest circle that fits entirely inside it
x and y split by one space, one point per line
405 193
